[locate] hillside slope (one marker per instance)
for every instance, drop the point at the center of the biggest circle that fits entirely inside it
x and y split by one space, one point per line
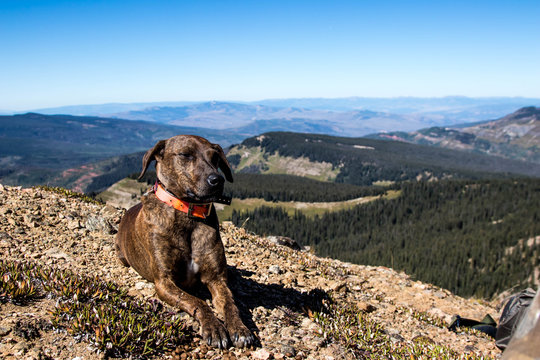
282 293
363 161
35 147
515 136
487 232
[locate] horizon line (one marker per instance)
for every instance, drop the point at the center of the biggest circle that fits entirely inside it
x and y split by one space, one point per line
188 102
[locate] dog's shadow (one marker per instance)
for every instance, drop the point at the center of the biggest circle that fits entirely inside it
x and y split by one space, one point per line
250 294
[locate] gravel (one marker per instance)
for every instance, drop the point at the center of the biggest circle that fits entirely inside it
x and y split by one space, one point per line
276 287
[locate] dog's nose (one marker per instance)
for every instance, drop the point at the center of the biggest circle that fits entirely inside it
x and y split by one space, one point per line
215 180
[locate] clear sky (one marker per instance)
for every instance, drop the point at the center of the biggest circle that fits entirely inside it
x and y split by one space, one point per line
56 53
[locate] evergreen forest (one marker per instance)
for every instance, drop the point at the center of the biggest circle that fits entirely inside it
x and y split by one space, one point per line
273 187
472 237
363 161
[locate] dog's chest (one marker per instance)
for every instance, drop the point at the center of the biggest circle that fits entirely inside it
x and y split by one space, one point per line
192 269
188 263
191 245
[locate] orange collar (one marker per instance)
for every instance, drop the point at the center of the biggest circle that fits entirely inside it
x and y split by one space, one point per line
193 210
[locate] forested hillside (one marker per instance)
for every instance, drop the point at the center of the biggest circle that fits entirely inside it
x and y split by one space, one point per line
285 188
295 188
361 161
471 237
515 136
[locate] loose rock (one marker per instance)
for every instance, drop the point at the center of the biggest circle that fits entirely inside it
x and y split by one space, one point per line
278 290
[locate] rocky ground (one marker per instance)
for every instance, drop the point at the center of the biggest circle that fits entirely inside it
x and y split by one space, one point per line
275 287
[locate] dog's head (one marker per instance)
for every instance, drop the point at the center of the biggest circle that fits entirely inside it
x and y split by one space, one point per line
188 166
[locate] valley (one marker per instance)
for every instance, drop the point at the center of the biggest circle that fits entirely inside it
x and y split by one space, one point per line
82 153
127 192
309 209
430 228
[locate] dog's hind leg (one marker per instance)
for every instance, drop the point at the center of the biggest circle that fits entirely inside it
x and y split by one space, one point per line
121 256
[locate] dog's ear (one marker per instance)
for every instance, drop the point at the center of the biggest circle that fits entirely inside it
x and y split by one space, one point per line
223 163
151 155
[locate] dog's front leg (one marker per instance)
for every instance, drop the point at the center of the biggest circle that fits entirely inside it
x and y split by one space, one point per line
212 330
223 301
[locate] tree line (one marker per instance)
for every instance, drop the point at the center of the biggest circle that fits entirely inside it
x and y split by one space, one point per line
272 187
363 161
463 235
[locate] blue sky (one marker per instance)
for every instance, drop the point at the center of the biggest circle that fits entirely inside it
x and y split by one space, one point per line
84 52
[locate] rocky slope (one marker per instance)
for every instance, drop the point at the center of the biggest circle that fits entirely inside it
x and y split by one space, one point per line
515 136
277 289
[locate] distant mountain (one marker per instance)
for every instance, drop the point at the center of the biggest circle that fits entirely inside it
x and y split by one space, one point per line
212 114
34 148
354 116
362 161
250 119
299 125
103 109
478 108
515 136
454 108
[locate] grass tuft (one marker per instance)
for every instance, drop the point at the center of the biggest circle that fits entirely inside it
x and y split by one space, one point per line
366 339
95 311
16 284
425 317
69 194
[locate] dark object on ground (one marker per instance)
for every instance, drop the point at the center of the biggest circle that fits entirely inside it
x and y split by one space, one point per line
519 327
512 313
487 325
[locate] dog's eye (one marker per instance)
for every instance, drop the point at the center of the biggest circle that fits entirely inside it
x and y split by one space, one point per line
215 159
186 156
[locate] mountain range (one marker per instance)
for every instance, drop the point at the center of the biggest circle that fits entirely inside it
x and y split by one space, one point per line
251 120
484 107
363 161
352 116
89 153
39 149
515 136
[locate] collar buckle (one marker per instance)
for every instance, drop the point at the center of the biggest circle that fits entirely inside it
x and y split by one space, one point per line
190 211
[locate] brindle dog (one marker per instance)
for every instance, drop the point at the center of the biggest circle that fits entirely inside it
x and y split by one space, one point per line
172 249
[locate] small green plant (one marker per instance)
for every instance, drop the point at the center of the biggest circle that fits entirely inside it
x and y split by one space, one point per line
366 339
16 284
475 332
94 310
350 327
425 317
69 194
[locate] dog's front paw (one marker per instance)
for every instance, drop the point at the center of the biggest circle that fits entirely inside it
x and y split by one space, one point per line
214 334
241 336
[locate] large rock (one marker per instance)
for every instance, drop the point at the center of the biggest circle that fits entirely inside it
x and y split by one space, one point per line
284 241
